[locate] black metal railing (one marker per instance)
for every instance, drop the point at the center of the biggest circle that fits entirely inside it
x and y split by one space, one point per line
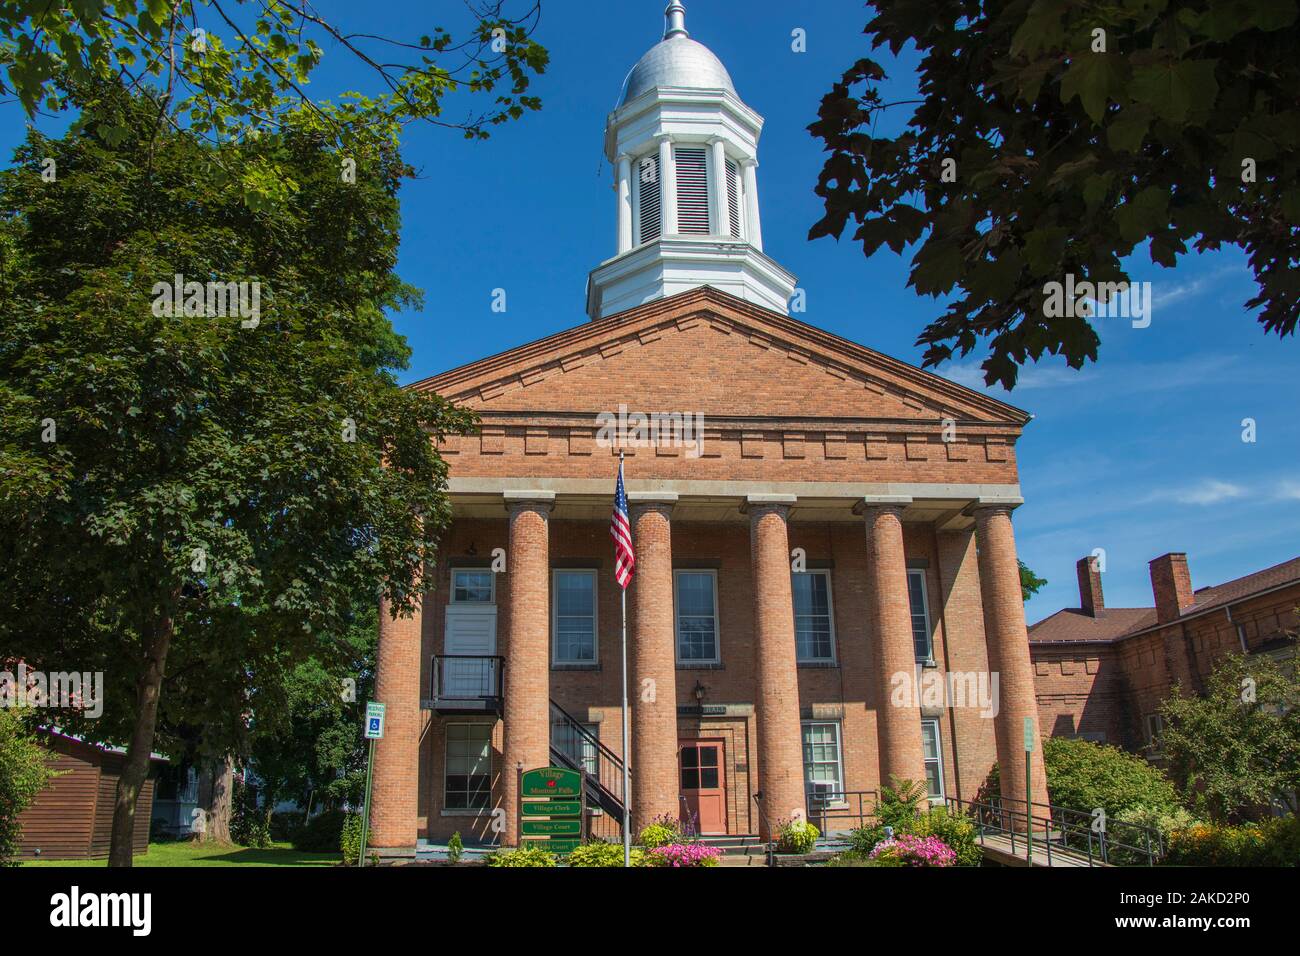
1048 832
575 747
841 810
467 681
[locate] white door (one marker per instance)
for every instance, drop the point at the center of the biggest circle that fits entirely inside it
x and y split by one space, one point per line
471 631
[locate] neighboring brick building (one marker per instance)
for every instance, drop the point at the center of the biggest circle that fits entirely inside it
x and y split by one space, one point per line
801 559
1102 672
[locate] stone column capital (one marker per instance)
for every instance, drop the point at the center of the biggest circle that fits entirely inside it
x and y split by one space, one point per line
661 502
871 504
539 501
992 506
755 505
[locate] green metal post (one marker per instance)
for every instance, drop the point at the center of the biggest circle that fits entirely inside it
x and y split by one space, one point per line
365 813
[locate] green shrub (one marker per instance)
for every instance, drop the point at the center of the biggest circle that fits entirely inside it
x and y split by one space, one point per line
320 834
24 771
455 848
524 856
350 839
604 854
249 826
285 824
1082 775
864 839
856 858
899 803
1272 842
956 831
661 831
1128 843
796 836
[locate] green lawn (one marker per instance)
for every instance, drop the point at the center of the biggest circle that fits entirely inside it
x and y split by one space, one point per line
197 854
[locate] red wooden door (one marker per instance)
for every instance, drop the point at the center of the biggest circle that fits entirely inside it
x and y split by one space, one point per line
703 784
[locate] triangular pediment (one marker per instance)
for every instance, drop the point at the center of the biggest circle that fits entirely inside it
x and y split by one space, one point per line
708 352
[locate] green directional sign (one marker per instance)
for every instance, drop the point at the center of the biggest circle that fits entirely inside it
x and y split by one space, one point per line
555 845
553 808
535 827
551 782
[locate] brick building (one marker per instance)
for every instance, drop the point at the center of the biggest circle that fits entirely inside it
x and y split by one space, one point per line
820 530
1102 672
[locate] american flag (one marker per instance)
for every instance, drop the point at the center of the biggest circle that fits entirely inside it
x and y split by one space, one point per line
621 531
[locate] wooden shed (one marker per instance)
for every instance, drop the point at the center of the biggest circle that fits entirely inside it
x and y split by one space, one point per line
72 818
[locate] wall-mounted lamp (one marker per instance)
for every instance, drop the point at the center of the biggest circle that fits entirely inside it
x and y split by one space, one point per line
699 692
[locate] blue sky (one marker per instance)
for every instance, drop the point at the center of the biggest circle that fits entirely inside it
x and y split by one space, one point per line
1139 454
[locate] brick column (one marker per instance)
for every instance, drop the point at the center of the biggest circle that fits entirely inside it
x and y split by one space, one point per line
898 709
652 653
1008 648
395 789
780 742
527 652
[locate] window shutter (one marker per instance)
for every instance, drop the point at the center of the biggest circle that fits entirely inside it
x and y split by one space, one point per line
733 197
651 218
692 190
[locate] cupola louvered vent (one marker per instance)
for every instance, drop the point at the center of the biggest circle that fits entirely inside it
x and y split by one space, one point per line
692 190
650 220
733 197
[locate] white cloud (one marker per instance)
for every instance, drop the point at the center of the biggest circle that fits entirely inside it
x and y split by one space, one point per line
1289 490
1211 491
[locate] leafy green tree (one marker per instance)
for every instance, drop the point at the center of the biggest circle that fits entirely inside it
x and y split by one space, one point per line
24 772
1052 138
235 69
1237 748
192 503
1030 583
309 747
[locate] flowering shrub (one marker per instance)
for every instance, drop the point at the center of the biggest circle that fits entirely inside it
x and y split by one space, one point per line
661 831
796 836
1271 842
684 854
916 851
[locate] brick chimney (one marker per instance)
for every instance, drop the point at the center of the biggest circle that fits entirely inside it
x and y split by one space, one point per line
1090 597
1171 583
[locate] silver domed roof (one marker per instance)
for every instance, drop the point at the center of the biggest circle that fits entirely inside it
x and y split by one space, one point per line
677 60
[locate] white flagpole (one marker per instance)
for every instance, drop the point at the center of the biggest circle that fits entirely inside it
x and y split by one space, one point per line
627 795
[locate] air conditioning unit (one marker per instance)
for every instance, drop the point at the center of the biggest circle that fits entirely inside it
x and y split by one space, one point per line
822 792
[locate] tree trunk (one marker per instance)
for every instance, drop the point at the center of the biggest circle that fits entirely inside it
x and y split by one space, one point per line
135 770
216 789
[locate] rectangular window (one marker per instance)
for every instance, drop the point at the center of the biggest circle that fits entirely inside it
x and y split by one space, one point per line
580 749
467 773
933 759
649 207
573 603
692 190
1155 728
920 607
814 634
733 197
472 586
823 767
695 593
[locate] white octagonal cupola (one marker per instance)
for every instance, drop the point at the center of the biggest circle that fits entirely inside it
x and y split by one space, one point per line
685 152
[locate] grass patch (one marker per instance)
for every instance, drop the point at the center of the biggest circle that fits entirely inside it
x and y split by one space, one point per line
203 854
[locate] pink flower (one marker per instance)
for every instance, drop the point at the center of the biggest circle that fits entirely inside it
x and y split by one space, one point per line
916 851
684 854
